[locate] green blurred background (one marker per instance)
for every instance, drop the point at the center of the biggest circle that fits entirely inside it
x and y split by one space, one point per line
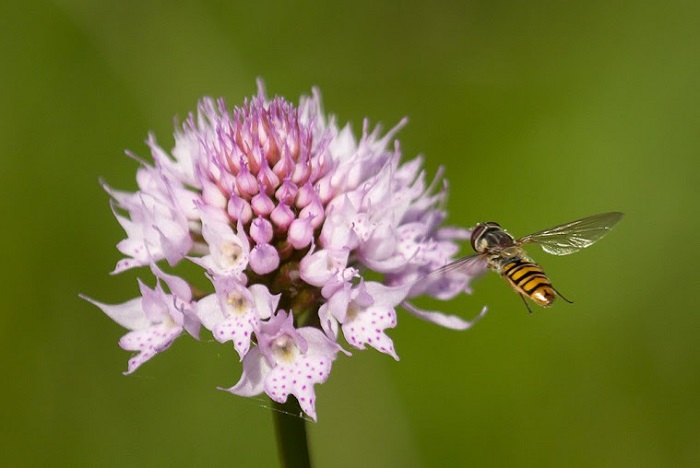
541 111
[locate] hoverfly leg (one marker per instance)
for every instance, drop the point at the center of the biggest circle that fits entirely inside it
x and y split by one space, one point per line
560 295
522 296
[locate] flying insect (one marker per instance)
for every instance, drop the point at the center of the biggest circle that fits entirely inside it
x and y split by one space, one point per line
498 251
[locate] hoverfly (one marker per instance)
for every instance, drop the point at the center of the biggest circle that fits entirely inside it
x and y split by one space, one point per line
499 251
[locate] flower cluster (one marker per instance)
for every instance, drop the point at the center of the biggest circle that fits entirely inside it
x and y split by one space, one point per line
285 213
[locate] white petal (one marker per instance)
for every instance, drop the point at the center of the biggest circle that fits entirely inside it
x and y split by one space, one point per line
209 311
129 314
265 303
448 321
255 369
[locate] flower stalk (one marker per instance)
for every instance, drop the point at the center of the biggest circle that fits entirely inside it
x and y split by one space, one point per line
290 430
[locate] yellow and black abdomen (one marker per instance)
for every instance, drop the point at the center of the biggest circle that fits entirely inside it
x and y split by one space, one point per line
529 279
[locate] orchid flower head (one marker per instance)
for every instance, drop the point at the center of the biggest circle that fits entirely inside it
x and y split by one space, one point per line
308 238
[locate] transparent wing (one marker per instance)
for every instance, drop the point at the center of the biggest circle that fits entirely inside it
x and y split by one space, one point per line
571 237
472 265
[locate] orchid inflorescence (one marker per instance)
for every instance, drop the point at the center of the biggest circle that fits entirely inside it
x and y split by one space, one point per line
286 214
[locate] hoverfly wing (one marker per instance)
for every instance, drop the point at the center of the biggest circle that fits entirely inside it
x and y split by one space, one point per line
471 265
571 237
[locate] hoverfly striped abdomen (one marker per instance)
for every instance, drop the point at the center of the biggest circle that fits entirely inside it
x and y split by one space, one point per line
528 278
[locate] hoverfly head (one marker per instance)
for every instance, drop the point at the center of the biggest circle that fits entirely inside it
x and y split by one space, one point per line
479 240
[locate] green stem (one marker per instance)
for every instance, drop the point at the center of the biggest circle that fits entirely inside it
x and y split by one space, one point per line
290 429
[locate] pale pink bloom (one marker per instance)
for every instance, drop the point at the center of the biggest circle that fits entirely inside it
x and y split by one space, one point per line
287 360
234 312
155 319
285 213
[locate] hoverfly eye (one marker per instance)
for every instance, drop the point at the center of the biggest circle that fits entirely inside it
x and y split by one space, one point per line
476 234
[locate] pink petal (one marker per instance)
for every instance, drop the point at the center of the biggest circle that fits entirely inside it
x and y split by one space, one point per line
300 233
264 258
367 328
298 379
238 329
149 342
